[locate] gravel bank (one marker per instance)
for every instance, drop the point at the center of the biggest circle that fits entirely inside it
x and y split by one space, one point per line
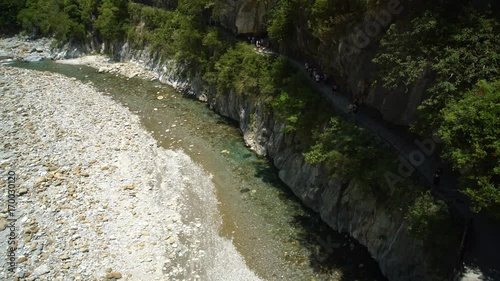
96 198
104 64
20 48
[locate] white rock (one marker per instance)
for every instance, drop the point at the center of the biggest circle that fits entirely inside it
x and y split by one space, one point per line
41 270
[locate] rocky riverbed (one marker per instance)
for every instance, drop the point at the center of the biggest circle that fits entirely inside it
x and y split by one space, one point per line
22 49
96 198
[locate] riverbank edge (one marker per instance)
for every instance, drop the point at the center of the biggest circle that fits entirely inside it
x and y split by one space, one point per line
382 231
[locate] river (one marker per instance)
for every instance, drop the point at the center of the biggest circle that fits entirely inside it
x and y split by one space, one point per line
279 238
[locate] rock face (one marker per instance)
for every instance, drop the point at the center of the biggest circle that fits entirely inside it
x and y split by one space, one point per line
398 106
250 17
246 16
352 61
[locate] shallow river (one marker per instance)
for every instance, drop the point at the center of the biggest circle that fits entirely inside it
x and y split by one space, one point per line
278 237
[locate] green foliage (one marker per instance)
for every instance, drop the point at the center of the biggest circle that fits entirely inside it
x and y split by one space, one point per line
112 20
161 39
213 42
291 97
325 20
297 103
66 20
453 51
468 50
289 109
182 34
350 153
89 12
430 221
53 17
280 26
195 8
471 134
425 216
329 19
187 40
244 70
8 15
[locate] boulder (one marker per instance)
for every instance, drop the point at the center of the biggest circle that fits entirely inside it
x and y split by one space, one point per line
33 58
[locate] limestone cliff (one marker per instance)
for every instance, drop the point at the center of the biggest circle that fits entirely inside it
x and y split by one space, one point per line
242 16
356 73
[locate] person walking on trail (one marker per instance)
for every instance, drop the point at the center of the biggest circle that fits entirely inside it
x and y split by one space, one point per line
334 86
353 108
437 177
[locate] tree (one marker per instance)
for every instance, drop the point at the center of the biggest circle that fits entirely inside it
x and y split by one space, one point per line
350 153
112 20
63 19
452 50
471 135
8 15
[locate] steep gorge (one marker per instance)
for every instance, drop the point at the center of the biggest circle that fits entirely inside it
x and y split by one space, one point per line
380 228
376 225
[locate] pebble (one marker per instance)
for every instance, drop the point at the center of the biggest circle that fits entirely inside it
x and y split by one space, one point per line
113 275
41 270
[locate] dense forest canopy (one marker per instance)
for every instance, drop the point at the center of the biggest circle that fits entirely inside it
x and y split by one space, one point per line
455 44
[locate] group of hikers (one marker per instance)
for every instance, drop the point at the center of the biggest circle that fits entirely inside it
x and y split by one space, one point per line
315 74
319 77
314 71
259 42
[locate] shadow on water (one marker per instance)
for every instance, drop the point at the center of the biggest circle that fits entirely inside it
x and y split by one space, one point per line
331 254
269 174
